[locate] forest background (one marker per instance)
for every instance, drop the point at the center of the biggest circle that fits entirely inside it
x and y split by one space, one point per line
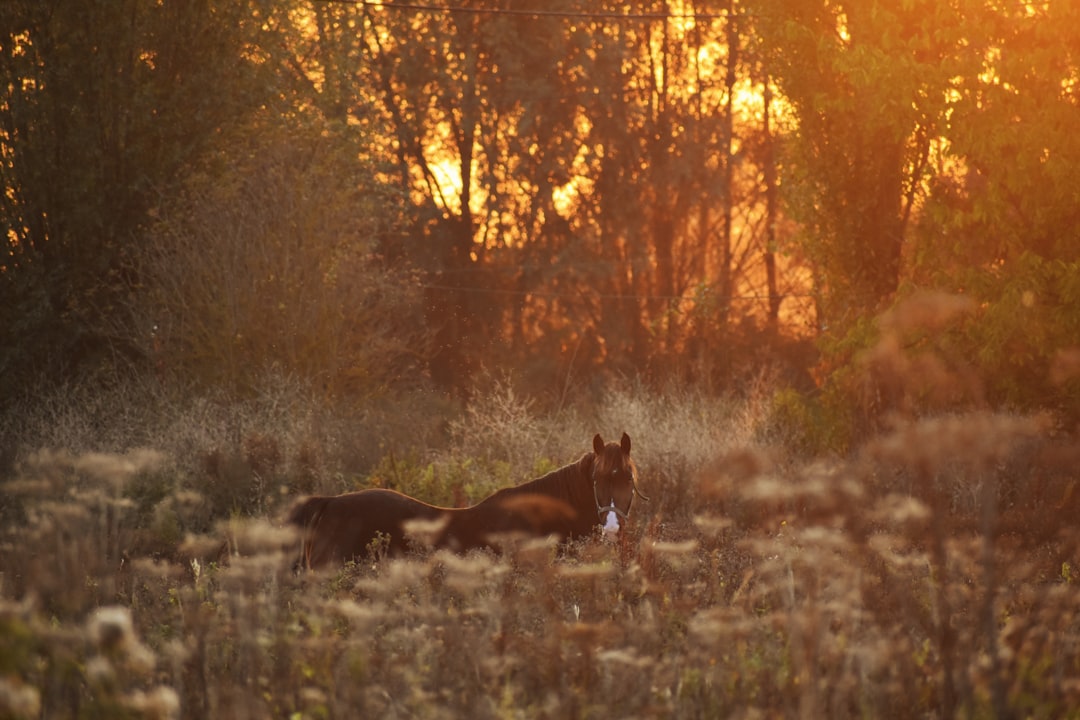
385 199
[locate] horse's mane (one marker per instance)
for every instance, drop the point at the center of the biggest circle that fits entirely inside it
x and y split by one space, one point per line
565 482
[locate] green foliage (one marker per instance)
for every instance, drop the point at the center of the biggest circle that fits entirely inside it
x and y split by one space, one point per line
1030 315
809 425
450 482
915 359
834 417
21 642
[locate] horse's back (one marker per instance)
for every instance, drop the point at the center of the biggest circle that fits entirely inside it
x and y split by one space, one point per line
348 526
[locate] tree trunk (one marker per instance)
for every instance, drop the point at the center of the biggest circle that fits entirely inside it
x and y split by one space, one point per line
770 211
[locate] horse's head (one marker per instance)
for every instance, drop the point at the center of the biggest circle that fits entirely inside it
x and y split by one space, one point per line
614 480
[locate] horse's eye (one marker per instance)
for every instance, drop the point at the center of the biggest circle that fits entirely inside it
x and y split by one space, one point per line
615 471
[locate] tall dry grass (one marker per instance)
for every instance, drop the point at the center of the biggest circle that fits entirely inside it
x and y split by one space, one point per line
929 574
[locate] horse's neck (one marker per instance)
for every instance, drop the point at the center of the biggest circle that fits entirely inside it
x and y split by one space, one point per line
569 483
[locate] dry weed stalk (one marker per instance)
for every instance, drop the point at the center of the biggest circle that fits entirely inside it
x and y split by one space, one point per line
930 575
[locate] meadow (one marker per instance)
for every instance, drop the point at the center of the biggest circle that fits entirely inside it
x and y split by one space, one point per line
144 573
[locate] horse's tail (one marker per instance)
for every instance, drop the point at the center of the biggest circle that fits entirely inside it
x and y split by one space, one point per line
306 511
305 514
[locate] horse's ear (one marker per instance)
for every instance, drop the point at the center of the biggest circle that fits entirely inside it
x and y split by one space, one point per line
598 444
625 444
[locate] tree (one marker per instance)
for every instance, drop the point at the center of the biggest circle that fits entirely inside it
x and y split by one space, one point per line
935 148
1001 223
574 175
107 101
867 81
584 188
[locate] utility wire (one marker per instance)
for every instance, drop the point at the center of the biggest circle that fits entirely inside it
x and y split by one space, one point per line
565 14
596 14
551 294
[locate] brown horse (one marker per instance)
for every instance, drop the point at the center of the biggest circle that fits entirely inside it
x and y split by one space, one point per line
569 503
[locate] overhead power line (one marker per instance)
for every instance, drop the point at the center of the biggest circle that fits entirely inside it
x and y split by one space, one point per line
1021 6
555 295
566 14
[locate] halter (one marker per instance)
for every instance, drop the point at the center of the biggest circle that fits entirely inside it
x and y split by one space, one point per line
601 509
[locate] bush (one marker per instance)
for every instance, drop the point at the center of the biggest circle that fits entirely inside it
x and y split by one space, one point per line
450 482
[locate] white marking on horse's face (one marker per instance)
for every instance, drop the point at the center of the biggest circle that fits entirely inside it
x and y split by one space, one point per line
611 525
